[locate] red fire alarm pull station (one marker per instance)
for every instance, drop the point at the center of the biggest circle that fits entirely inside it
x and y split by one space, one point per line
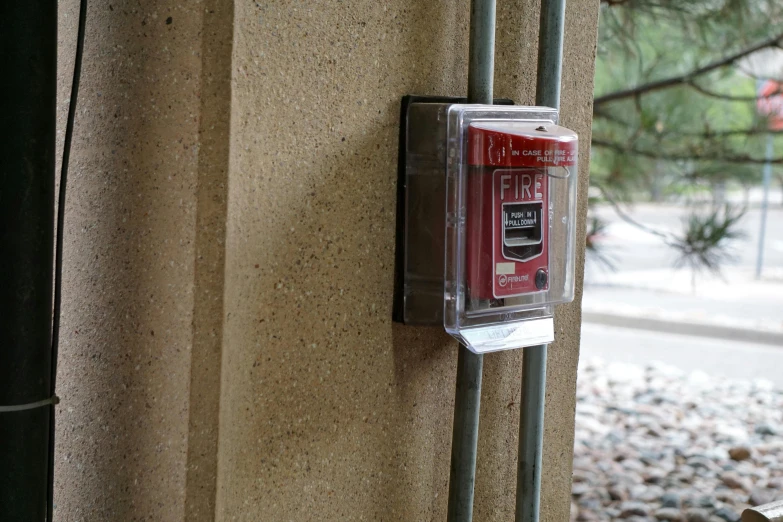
508 192
487 221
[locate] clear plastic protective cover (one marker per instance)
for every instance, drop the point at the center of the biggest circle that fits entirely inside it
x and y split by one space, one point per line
510 224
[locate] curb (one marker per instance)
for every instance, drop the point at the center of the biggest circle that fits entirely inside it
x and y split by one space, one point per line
683 328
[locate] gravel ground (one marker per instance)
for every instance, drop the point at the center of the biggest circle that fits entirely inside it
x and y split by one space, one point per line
657 444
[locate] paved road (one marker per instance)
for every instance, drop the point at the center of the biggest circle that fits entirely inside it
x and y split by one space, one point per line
716 357
632 249
644 285
752 306
645 282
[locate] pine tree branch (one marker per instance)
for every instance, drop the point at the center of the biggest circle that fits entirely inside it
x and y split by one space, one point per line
728 133
753 76
611 117
711 134
687 78
725 133
728 97
667 238
673 6
740 158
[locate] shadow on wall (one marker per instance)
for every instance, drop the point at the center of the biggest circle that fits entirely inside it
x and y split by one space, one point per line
209 266
332 379
126 335
324 400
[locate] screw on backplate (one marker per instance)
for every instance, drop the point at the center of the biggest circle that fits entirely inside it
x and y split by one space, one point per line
541 128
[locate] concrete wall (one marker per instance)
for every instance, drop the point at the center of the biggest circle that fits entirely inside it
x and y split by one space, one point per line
228 352
145 217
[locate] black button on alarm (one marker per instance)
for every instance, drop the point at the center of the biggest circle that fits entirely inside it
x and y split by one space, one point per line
541 278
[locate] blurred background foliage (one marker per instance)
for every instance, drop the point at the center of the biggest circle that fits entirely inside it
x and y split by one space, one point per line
675 110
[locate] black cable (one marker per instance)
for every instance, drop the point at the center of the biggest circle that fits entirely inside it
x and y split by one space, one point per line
58 258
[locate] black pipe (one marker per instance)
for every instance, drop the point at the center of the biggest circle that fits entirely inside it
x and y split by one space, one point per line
28 61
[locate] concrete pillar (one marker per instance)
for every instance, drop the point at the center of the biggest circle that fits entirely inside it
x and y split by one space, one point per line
145 221
228 351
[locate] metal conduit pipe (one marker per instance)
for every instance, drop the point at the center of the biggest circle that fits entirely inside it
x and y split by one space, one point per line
550 53
467 399
531 427
531 433
464 439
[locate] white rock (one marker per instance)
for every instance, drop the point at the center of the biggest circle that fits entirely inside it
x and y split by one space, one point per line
655 431
617 372
699 379
732 433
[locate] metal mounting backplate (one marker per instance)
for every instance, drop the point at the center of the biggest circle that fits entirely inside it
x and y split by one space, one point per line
421 199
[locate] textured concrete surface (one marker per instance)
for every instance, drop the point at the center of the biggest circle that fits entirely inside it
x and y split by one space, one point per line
228 285
143 260
329 411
